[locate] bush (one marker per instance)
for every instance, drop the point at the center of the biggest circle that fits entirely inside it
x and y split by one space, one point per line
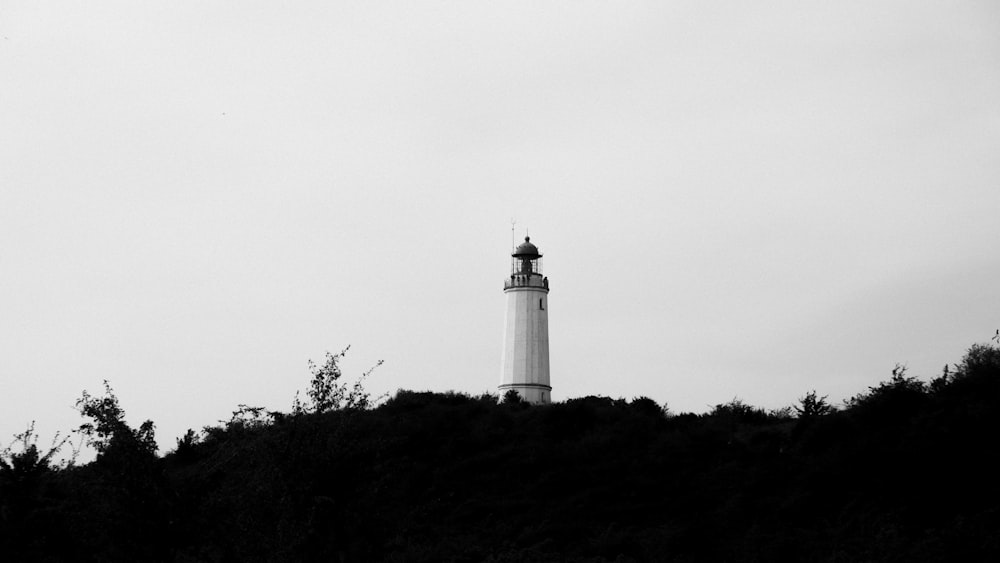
328 393
108 430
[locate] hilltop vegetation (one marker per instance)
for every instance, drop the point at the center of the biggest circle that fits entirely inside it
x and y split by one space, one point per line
905 471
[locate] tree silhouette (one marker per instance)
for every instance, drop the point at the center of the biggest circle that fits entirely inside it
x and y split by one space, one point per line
108 429
328 393
812 406
512 397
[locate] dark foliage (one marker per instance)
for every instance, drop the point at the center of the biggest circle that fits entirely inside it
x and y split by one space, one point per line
512 397
906 471
328 393
811 406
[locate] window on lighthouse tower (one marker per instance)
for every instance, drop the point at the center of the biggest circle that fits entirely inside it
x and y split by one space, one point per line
541 305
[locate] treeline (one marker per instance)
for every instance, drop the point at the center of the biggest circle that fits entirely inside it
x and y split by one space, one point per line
905 471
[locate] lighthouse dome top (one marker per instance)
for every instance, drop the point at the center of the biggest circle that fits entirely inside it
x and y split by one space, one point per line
526 250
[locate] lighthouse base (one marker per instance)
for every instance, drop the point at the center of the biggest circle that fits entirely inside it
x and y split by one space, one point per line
533 393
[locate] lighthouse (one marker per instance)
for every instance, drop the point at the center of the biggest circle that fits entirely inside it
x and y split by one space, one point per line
525 365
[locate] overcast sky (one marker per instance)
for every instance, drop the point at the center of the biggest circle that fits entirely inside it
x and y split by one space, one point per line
734 199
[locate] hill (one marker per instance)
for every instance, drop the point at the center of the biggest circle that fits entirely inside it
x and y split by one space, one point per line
905 471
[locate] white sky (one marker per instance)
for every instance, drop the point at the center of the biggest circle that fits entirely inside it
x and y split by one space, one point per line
734 198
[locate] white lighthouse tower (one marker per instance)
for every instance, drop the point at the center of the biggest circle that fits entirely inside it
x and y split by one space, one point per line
525 366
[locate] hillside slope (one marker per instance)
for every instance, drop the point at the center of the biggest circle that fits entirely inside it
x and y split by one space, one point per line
906 472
